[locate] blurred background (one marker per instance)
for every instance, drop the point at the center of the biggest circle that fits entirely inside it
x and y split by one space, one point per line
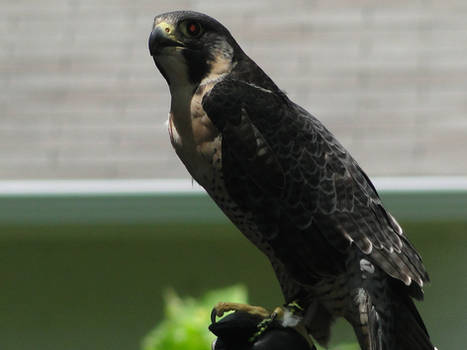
82 106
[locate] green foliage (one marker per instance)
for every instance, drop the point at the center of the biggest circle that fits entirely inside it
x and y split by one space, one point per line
186 320
185 326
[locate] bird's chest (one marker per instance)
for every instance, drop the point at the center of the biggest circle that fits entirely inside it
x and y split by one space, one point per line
195 139
198 144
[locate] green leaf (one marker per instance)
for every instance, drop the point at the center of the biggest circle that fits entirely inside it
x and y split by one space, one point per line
186 320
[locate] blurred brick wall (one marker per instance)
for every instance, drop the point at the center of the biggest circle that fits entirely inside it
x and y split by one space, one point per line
80 96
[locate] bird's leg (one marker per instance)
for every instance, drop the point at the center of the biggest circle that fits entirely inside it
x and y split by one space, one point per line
289 315
224 307
266 316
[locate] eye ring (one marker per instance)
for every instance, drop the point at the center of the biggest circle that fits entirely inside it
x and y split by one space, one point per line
192 29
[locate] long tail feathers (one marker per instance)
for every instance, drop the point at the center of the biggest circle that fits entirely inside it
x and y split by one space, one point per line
391 324
411 332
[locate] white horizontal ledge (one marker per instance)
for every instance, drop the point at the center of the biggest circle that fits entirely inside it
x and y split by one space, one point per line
177 201
99 187
187 186
421 183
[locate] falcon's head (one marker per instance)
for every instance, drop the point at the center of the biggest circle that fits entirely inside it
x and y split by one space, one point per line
188 47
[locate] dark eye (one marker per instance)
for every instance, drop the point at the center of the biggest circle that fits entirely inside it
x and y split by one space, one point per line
192 28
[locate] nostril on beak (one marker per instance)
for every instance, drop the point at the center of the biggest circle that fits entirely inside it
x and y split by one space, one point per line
159 38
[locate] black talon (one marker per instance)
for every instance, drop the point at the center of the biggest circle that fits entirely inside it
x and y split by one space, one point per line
213 315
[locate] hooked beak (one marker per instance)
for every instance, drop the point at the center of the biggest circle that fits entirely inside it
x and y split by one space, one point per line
159 39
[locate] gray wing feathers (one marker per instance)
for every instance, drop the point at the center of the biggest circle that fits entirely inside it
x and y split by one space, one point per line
310 176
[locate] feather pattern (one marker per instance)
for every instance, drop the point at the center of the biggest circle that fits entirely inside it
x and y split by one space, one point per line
299 169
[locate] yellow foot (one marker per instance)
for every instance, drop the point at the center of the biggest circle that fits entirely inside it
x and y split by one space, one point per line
289 315
221 308
278 313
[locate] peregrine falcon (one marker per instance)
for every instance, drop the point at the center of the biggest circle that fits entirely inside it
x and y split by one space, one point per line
290 187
